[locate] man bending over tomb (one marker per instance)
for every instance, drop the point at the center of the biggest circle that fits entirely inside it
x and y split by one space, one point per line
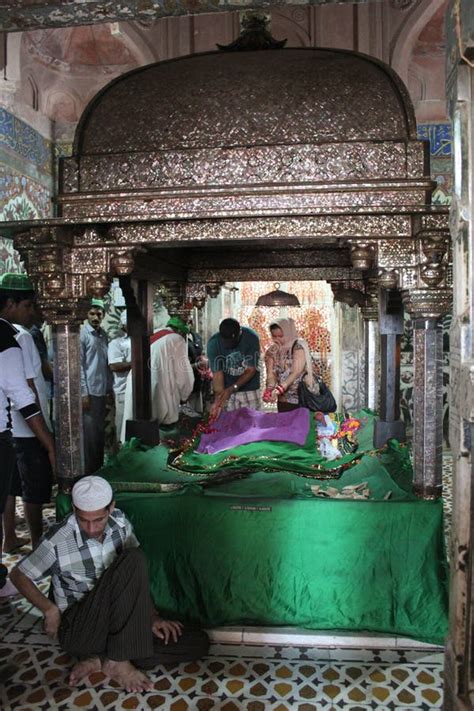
101 611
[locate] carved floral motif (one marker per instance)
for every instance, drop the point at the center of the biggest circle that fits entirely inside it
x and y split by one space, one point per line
241 166
287 96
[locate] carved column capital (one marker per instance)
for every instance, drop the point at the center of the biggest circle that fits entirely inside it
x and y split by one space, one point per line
427 303
121 262
388 278
350 293
196 294
433 256
213 288
371 311
363 254
67 273
175 299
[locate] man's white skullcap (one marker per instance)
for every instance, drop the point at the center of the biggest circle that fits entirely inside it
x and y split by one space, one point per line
123 318
91 493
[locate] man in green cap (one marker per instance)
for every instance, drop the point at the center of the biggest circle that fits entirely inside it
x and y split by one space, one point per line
16 305
171 373
96 386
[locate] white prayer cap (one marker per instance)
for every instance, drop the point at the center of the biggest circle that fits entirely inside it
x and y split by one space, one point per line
123 317
91 493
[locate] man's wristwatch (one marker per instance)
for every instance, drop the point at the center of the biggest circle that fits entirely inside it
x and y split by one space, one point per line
235 387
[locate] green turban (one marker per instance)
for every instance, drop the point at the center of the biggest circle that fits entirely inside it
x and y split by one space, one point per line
98 303
178 324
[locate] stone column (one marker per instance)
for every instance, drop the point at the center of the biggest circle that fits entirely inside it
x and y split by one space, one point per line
372 362
391 329
139 300
68 265
427 407
68 403
427 307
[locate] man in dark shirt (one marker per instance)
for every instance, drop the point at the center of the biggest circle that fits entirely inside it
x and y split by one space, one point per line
233 355
16 304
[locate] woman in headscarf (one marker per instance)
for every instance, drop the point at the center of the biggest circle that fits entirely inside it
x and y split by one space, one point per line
287 361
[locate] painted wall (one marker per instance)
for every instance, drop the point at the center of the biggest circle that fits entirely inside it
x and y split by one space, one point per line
26 170
27 161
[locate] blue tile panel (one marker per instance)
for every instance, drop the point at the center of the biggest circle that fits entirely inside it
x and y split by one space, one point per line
440 136
23 140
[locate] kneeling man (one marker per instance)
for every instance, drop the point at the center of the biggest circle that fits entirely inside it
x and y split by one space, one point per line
102 612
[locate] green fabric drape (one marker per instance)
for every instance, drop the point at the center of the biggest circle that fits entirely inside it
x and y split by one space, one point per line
316 563
265 551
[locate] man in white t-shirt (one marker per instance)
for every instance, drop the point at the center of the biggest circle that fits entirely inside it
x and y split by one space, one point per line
120 363
33 477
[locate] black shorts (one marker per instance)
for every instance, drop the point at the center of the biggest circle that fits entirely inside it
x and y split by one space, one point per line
34 469
7 459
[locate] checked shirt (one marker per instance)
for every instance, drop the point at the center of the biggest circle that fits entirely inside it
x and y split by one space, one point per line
75 561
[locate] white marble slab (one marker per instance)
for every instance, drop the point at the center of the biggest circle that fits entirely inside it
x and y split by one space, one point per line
299 637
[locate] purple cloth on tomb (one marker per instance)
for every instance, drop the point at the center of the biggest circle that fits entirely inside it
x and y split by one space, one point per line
244 426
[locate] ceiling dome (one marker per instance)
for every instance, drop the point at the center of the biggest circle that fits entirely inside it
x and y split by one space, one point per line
285 96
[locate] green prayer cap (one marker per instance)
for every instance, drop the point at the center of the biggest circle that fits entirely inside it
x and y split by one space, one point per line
16 282
177 323
97 302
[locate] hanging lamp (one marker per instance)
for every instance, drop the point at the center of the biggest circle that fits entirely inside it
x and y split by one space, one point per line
278 298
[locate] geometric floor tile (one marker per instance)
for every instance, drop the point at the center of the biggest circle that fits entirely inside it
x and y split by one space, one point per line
234 677
230 679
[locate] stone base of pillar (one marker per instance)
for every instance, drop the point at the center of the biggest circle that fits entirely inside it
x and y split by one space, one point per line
383 431
427 492
146 430
456 691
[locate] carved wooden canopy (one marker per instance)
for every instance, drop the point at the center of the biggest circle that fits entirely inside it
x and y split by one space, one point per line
271 150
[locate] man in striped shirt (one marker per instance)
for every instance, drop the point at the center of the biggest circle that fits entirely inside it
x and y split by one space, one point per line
16 303
102 611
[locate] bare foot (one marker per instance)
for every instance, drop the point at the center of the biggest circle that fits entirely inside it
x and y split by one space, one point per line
12 545
127 676
82 669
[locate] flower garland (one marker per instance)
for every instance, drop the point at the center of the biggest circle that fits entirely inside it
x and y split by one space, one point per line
343 435
205 426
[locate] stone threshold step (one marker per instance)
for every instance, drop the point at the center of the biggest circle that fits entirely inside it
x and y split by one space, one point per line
298 637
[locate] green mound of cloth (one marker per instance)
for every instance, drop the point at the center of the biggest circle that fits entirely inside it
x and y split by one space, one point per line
264 550
313 563
277 468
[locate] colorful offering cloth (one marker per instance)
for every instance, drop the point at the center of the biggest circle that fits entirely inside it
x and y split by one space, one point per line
306 459
245 425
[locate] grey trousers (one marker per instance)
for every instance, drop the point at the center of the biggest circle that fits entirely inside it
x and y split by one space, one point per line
94 434
114 620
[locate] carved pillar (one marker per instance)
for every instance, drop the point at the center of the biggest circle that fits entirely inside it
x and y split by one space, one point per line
459 656
370 314
427 308
139 299
391 329
68 403
68 266
372 360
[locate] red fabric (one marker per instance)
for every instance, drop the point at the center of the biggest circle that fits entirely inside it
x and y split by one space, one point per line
159 334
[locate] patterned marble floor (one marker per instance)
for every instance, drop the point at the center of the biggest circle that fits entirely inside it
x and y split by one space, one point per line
234 677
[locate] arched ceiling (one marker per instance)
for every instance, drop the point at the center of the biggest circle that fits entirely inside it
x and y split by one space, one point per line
288 96
70 65
80 49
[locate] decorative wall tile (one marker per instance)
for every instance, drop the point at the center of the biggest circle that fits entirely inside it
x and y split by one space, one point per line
20 138
440 137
